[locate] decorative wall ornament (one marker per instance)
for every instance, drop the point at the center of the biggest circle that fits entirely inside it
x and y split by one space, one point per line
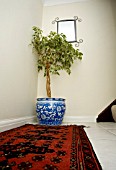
69 28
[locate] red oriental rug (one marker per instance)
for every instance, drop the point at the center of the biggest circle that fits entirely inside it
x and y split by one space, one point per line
35 147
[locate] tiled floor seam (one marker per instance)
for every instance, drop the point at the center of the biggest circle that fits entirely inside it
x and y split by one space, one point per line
110 132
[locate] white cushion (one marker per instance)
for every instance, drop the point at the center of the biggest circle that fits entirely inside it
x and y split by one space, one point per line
113 109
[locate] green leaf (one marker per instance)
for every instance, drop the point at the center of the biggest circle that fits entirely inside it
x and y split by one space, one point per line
55 50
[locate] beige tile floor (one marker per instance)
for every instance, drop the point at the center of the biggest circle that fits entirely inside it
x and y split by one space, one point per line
103 139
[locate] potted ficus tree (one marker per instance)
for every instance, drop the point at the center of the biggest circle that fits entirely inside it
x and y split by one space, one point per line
54 54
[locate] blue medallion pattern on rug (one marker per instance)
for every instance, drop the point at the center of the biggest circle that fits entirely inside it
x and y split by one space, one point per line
50 111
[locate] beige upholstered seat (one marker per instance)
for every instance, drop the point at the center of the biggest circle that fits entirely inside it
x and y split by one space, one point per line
113 109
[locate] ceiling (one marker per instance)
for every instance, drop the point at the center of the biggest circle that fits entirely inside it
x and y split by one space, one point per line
56 2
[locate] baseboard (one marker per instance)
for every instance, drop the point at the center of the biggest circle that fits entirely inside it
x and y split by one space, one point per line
79 119
13 123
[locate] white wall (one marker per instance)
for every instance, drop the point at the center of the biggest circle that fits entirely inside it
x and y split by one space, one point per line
18 72
113 5
91 86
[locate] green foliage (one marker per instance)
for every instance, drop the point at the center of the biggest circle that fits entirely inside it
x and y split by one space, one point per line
54 50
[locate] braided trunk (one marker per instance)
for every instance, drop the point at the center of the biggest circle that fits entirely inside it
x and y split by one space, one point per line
48 88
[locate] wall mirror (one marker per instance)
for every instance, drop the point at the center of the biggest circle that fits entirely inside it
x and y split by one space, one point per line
67 27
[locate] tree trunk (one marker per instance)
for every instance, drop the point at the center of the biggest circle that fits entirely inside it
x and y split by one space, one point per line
48 88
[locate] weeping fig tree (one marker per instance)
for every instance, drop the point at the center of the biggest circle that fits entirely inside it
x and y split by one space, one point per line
54 54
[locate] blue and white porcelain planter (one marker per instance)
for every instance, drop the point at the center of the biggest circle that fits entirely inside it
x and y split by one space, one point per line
50 111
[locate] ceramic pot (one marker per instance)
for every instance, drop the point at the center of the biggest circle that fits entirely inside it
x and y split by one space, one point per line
50 111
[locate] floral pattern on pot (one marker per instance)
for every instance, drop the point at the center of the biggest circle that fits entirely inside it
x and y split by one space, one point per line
50 111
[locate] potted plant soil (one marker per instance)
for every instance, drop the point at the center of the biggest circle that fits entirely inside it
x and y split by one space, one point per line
54 54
